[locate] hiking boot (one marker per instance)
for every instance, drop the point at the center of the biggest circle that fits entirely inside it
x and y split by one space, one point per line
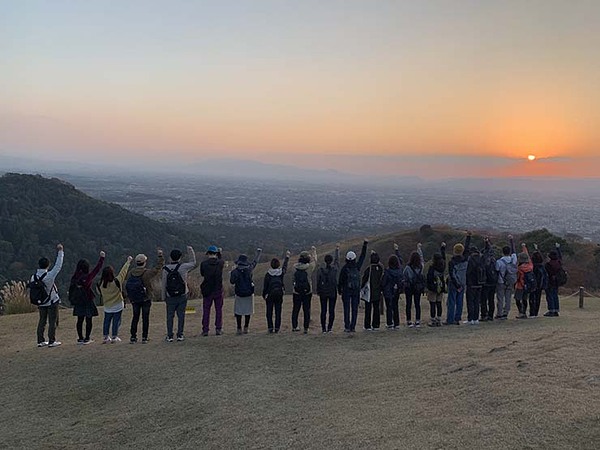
180 338
54 344
168 339
132 340
42 344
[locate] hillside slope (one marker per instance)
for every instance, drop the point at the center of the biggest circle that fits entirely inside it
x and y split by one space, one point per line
36 213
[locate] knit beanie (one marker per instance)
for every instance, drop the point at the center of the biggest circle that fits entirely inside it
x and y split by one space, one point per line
459 249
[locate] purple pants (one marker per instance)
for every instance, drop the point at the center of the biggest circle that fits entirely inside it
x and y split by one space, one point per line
217 299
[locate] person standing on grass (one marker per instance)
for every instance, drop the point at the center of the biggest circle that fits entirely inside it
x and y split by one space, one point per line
211 269
349 287
392 284
111 291
374 276
476 278
557 277
488 292
241 278
507 269
274 290
525 282
541 281
139 287
175 290
457 281
82 297
43 291
414 286
327 289
302 297
436 286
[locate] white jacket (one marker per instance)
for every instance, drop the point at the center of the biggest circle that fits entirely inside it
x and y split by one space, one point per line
49 279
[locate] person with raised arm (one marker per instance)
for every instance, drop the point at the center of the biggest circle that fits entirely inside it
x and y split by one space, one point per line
175 290
557 277
82 297
526 283
373 276
475 282
457 281
302 297
211 269
44 294
241 278
507 269
349 286
392 285
488 293
274 290
327 278
139 287
111 291
414 286
541 281
436 286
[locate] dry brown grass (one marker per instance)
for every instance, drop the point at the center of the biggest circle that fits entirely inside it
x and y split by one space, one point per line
15 298
517 384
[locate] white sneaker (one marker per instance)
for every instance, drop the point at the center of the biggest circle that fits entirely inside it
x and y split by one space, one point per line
115 339
417 324
54 344
42 344
466 322
476 322
106 340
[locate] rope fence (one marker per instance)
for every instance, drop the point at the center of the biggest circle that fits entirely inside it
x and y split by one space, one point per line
582 293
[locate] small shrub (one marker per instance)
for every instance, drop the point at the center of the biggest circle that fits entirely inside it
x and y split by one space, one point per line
15 298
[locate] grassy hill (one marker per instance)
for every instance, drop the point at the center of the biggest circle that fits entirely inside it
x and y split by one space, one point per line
36 213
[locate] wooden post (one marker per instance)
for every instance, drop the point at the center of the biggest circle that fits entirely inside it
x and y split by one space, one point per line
581 293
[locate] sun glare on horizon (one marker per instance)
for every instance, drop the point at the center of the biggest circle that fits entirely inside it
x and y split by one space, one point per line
531 157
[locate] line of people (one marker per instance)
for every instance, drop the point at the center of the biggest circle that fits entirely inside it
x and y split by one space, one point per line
488 284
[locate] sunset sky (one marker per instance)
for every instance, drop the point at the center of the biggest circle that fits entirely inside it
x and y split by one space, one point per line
431 88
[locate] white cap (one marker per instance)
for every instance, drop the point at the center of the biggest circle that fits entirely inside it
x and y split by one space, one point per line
350 256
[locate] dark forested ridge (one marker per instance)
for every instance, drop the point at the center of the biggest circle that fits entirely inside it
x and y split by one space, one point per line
37 213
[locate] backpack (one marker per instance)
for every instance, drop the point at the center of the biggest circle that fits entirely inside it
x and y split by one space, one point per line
418 283
561 277
353 279
77 294
175 285
38 294
327 280
276 287
136 291
301 282
439 283
244 287
530 282
491 274
480 273
510 274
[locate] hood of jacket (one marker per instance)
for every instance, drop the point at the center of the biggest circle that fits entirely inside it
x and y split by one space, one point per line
301 266
138 271
275 272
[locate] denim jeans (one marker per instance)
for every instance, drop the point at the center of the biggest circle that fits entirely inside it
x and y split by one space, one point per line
392 313
176 305
552 299
350 300
115 319
455 305
410 297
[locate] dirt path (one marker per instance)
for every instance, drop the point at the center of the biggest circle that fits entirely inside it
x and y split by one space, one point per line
516 384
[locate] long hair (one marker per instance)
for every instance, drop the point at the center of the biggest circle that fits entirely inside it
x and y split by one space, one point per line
108 276
83 268
438 263
393 262
537 258
414 260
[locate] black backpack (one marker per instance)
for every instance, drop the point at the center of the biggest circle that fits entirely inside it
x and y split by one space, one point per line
244 287
353 280
531 284
301 282
175 285
136 291
418 284
276 288
561 277
327 280
38 295
480 272
491 274
77 294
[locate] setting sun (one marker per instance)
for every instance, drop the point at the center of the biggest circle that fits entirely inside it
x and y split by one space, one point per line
531 157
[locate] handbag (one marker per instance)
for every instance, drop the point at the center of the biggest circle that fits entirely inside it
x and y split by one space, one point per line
365 292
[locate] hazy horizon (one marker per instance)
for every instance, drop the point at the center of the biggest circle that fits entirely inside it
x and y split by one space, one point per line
435 89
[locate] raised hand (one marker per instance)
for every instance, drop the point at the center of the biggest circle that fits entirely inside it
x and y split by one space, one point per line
535 246
419 245
557 244
510 237
469 233
444 244
159 251
396 246
102 255
337 246
288 254
60 247
129 259
366 241
190 248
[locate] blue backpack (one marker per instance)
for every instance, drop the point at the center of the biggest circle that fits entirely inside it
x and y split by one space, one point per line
531 282
244 287
136 291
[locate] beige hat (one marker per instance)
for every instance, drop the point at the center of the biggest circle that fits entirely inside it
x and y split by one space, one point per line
141 259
